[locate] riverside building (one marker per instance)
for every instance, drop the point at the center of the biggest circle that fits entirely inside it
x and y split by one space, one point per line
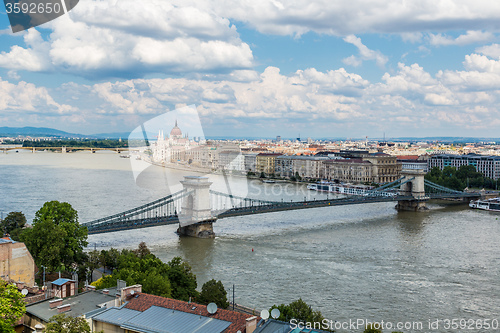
489 166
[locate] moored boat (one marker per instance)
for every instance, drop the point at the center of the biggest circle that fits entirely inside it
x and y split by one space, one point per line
347 189
489 204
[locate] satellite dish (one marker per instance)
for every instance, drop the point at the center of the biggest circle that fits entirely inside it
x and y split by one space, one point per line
132 292
275 313
212 308
264 314
24 292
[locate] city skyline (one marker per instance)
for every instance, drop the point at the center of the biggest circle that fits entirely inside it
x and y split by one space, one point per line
321 70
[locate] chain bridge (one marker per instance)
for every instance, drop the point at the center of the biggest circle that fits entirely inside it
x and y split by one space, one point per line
196 207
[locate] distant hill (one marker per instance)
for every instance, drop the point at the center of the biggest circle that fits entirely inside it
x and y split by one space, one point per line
35 131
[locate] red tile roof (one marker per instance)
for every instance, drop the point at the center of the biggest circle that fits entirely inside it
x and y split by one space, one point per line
407 157
145 301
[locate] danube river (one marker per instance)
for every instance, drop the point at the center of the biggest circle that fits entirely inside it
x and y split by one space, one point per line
353 262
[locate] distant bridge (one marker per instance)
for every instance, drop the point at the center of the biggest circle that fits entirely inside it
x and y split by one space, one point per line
195 208
66 149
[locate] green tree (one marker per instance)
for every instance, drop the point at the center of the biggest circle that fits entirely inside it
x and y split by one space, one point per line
299 310
213 291
142 251
109 258
56 238
182 279
12 224
62 323
12 306
92 262
370 328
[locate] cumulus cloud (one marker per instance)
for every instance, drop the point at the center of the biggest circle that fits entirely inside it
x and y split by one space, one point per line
492 50
23 97
471 37
359 16
409 100
130 38
364 53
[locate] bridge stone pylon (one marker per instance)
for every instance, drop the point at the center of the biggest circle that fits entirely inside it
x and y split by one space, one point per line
413 186
196 217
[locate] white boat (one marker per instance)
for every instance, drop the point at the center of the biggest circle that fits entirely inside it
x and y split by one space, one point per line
347 189
489 204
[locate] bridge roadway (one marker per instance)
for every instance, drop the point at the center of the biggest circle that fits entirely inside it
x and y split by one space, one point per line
67 149
259 209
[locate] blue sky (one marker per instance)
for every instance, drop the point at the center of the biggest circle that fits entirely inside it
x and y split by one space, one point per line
260 68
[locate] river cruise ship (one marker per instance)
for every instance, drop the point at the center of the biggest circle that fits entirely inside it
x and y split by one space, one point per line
347 189
490 204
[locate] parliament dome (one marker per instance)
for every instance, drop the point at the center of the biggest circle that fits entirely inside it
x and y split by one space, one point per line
176 131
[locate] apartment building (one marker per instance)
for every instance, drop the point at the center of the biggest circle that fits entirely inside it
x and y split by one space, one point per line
386 168
265 162
489 166
349 171
310 167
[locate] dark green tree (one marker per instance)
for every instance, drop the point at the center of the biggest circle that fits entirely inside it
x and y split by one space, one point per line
92 262
12 306
299 310
213 291
62 323
56 239
109 258
370 328
142 251
182 279
12 224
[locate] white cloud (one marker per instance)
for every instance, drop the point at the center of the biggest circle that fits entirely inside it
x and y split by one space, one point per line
364 53
33 58
471 37
128 38
23 97
412 37
358 16
492 50
409 100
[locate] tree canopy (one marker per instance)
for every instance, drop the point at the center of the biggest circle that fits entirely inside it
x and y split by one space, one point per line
213 291
12 306
458 179
62 323
173 279
56 239
12 224
299 310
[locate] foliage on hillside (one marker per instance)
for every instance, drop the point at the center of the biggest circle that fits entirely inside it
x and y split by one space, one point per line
173 279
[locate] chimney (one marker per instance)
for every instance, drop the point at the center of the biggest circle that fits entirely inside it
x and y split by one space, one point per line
63 308
105 291
55 303
251 324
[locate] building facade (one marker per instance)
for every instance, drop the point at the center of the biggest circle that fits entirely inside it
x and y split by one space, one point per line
265 163
16 262
489 166
386 168
309 167
349 171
